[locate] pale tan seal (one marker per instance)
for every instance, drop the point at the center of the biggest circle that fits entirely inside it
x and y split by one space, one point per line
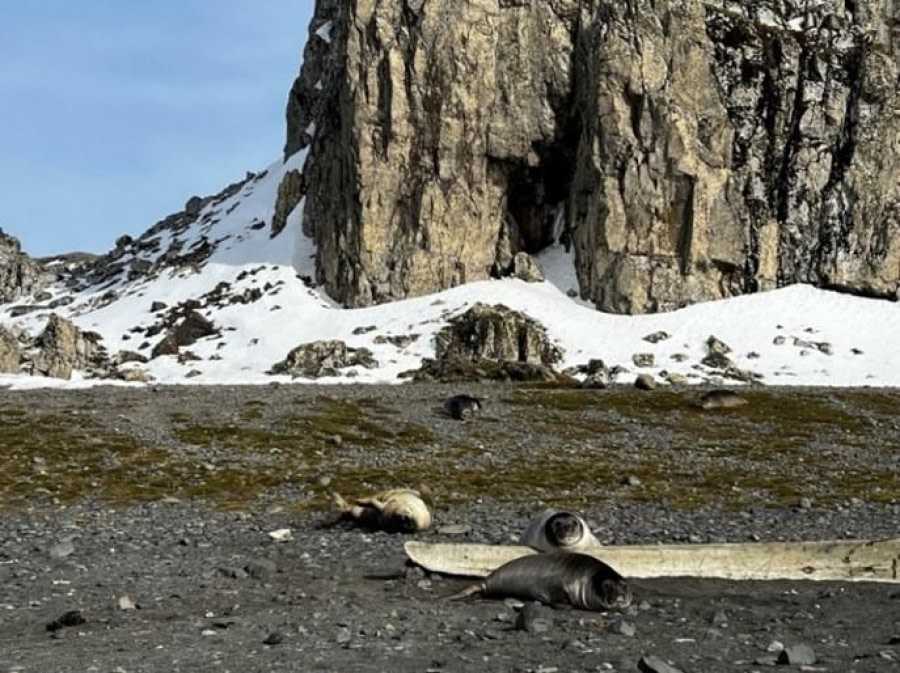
558 530
556 578
720 399
400 510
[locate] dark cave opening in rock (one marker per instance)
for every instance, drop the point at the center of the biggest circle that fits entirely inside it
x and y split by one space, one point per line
536 193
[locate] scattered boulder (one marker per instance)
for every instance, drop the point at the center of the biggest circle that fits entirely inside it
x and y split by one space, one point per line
653 664
193 206
133 375
398 340
800 654
530 619
498 334
19 274
596 375
291 191
645 382
323 358
62 348
129 356
67 619
192 327
676 379
166 346
716 360
656 337
525 268
643 359
714 345
491 343
10 352
458 370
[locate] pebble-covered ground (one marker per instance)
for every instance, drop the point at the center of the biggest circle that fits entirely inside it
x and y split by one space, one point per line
135 527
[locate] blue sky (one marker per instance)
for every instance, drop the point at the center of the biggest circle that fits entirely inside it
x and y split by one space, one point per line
114 112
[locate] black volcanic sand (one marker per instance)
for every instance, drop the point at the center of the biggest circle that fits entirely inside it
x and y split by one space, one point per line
149 512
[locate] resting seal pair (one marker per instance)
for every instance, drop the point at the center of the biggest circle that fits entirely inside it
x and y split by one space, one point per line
561 576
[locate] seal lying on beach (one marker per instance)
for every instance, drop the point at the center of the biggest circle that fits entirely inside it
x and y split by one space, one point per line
462 407
558 530
558 579
720 399
400 510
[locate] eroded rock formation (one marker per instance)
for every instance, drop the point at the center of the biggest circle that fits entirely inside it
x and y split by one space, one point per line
685 150
19 273
323 358
491 343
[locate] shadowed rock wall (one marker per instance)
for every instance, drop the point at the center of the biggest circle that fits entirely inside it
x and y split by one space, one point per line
685 150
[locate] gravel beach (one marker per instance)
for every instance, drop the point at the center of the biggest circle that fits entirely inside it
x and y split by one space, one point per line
136 527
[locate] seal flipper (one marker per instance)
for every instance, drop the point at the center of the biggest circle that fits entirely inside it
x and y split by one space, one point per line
471 590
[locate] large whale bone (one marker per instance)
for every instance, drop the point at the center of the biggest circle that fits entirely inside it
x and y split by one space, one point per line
840 560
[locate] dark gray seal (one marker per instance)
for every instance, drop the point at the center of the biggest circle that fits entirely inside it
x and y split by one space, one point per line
720 399
462 407
556 578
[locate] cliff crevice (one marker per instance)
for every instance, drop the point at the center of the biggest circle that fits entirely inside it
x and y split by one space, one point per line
683 151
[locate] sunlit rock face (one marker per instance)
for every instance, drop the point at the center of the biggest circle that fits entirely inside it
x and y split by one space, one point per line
683 150
19 274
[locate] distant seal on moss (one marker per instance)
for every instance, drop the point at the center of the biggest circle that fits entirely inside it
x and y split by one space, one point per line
558 530
400 510
720 399
557 578
462 407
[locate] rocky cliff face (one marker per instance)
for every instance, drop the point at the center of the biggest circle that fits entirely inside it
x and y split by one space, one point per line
19 273
686 150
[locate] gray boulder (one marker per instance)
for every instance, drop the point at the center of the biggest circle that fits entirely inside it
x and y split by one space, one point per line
323 358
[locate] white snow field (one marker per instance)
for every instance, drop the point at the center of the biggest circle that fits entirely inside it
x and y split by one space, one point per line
862 335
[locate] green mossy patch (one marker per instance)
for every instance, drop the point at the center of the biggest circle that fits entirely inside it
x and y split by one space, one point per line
540 443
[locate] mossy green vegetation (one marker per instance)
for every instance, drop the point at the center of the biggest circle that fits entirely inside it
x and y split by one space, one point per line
535 443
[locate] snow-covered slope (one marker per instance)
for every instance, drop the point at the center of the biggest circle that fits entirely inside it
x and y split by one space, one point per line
827 338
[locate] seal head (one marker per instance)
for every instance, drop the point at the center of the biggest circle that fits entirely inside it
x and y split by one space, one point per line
558 530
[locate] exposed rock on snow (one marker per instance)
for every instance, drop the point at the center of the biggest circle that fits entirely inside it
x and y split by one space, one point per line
496 334
323 358
19 274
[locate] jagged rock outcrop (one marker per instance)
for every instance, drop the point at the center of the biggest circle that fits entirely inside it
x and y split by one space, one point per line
323 358
685 151
491 343
19 273
495 333
57 351
190 328
291 191
62 348
10 351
